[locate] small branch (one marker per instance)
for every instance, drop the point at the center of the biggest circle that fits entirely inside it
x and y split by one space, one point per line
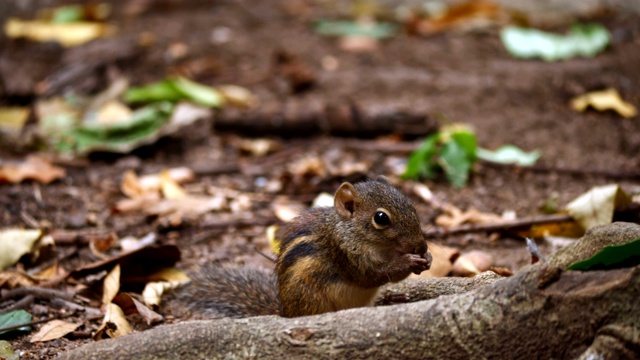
38 292
507 225
21 304
567 171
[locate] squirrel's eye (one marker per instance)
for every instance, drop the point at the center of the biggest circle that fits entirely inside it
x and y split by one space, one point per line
381 219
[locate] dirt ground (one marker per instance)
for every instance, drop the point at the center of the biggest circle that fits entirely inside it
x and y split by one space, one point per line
462 77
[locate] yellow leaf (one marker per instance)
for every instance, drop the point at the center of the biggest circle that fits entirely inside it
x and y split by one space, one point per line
596 206
13 118
54 329
111 285
67 34
170 188
608 99
441 263
14 243
152 293
114 324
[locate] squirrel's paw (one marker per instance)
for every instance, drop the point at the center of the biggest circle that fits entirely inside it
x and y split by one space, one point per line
419 263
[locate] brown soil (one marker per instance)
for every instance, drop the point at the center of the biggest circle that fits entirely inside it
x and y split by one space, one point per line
463 77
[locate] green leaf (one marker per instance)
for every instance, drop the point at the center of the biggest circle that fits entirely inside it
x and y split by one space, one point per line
175 90
68 14
509 154
143 124
160 91
378 30
14 318
456 163
612 257
585 40
421 162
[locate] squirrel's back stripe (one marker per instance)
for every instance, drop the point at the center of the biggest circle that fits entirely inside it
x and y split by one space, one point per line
297 251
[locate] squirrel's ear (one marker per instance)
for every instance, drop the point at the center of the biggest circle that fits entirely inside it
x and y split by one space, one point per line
345 200
383 179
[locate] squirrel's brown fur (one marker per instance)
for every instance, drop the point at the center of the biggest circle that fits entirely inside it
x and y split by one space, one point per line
330 259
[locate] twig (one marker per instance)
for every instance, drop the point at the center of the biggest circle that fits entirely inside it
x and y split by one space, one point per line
239 222
21 304
568 171
60 303
503 226
266 256
38 292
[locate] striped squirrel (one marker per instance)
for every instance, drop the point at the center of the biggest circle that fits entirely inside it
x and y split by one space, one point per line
330 259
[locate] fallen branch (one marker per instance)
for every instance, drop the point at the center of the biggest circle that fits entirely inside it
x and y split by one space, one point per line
541 312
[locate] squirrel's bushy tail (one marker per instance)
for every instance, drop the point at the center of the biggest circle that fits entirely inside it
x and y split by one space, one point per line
222 291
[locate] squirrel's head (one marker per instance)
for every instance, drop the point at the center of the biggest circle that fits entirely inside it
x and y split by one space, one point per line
381 215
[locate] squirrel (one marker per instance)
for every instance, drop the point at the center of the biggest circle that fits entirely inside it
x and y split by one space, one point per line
330 259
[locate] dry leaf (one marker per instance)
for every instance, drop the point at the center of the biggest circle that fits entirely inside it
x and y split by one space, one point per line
286 212
358 44
67 34
14 279
323 200
114 325
272 238
152 293
131 243
34 168
111 285
54 329
472 263
596 206
130 305
170 188
476 14
308 166
238 96
12 119
49 273
15 243
134 186
258 147
113 112
456 217
608 99
441 263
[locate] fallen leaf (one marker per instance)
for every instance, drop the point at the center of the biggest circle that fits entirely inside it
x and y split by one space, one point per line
15 243
130 305
476 14
272 238
14 279
34 168
611 257
442 261
455 217
286 212
257 147
134 186
608 99
472 263
13 318
12 119
54 329
596 206
176 90
131 243
111 285
6 351
509 154
152 293
170 188
323 200
114 324
171 275
67 34
238 96
585 40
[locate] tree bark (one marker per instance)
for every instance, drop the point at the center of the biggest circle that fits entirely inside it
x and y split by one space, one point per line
540 312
